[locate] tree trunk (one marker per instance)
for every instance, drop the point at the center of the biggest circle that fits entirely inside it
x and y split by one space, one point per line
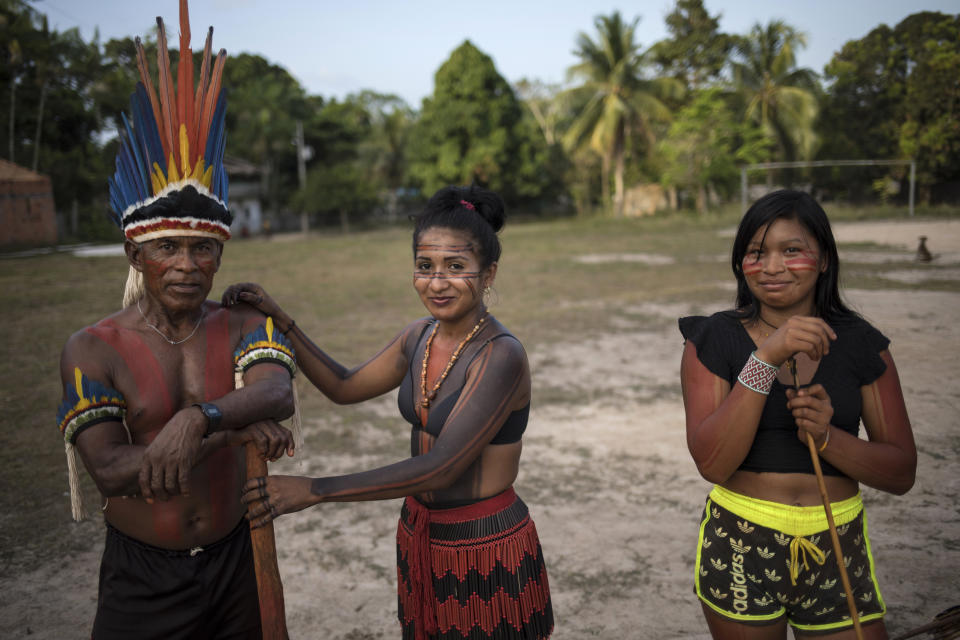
36 138
13 112
605 181
618 184
344 221
701 199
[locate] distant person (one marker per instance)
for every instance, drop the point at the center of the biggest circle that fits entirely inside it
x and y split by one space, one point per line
765 558
469 561
149 400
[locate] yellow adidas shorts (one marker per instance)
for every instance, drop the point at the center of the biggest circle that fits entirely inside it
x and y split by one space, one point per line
758 561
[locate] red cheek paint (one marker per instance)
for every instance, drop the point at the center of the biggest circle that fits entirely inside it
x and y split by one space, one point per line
751 266
806 261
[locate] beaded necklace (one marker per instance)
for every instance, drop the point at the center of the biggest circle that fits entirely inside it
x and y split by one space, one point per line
428 396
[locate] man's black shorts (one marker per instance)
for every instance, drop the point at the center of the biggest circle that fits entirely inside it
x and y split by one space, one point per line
151 593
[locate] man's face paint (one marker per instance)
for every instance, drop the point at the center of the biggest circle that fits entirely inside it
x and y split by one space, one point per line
179 271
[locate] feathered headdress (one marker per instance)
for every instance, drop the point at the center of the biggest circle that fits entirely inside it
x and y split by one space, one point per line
169 178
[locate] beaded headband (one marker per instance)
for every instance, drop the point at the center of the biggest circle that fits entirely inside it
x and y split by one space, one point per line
169 178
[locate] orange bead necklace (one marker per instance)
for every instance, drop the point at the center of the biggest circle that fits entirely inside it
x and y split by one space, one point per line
428 396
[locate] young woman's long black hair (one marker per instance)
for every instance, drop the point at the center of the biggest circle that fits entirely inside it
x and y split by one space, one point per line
791 205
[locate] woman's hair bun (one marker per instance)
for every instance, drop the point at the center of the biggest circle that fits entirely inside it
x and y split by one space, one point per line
487 204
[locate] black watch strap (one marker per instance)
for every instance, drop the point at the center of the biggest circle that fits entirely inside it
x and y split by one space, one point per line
212 412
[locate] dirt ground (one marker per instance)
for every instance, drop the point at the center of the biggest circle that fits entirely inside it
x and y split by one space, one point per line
610 484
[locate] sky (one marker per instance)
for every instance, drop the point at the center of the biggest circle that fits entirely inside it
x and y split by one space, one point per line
338 47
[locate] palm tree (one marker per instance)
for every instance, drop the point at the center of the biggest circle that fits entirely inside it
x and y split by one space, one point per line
782 99
618 103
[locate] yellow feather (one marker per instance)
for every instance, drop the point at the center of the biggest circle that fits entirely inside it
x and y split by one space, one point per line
160 179
207 179
270 328
197 170
184 151
78 381
172 174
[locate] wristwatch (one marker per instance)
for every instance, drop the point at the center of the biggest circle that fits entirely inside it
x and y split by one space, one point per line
212 412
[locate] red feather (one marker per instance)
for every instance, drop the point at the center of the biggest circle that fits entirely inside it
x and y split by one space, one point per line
167 94
210 100
201 94
185 83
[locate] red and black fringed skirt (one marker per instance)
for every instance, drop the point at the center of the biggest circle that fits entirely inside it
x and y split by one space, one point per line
479 572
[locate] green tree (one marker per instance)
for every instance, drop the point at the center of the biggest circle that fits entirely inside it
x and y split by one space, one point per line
697 51
384 146
344 178
472 130
48 83
780 97
894 94
621 107
706 145
265 103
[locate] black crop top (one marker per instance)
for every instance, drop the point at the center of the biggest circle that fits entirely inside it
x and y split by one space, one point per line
512 429
723 346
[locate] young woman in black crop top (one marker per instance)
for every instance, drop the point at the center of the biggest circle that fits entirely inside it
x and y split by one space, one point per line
469 559
764 559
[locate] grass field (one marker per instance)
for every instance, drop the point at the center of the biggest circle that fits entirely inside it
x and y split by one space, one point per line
350 293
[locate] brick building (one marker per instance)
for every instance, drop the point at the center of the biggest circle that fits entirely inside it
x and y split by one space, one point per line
27 214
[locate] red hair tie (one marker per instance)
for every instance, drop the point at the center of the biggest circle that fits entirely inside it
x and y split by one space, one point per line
468 205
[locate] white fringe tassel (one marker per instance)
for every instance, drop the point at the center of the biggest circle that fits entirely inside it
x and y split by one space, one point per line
296 422
73 477
134 289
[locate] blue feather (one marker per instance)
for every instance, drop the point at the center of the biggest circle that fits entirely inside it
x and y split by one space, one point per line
142 177
150 131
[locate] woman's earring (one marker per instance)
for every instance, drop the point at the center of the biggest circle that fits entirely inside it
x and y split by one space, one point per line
486 290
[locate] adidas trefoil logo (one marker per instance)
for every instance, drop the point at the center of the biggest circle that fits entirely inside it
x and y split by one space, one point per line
739 547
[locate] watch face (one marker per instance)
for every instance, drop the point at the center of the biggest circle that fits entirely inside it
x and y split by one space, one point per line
212 412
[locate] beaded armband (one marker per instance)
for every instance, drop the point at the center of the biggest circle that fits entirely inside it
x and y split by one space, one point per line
757 375
265 344
86 403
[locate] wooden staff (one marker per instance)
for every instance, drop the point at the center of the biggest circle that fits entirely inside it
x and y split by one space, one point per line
273 619
837 551
269 587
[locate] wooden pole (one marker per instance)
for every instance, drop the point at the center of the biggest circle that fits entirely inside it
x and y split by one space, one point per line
269 587
834 538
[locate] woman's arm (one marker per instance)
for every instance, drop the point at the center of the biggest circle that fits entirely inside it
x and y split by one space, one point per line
376 376
721 422
497 383
888 461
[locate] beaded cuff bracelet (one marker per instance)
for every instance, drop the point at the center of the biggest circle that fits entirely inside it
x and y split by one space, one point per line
757 375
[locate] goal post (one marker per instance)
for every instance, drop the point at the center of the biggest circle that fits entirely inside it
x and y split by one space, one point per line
827 163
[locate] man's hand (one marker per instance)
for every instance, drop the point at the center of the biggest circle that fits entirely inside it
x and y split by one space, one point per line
270 438
167 462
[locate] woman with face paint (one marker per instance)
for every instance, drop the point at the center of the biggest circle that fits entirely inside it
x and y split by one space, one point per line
764 558
469 562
